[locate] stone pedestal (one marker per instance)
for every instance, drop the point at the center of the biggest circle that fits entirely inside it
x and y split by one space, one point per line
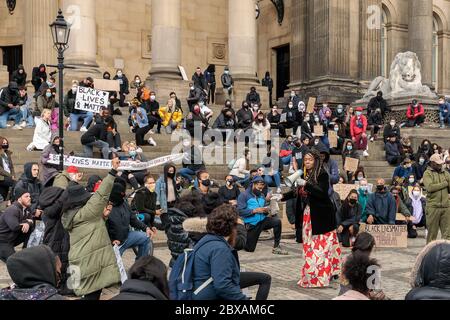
4 76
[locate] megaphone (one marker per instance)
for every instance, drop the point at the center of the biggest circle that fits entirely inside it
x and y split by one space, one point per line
290 181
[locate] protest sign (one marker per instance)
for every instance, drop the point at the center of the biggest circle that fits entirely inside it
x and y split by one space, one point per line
107 85
183 73
311 104
400 217
318 131
120 265
333 138
344 190
100 164
91 100
283 118
351 164
388 236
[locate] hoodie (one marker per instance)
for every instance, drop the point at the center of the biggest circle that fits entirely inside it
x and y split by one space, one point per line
33 270
9 95
33 185
382 207
330 166
20 79
430 276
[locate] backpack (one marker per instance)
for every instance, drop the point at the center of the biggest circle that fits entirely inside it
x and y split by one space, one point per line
181 280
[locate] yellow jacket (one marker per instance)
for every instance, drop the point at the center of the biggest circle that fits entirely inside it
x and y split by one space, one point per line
166 116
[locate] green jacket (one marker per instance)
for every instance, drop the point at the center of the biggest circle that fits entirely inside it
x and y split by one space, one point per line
90 247
437 185
62 180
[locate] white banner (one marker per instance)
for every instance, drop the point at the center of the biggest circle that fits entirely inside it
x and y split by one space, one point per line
101 164
91 100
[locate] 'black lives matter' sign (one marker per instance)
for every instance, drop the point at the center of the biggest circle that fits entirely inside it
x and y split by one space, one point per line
91 100
388 236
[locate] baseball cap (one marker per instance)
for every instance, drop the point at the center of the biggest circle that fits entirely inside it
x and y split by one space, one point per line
437 159
72 169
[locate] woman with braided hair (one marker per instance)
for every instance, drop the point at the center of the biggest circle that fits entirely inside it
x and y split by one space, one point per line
316 224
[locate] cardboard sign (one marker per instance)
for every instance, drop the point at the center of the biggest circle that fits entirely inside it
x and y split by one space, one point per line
183 73
351 164
311 104
333 138
91 100
344 189
283 118
388 236
318 131
107 85
400 217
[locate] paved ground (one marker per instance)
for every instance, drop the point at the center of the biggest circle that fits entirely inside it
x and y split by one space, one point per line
396 266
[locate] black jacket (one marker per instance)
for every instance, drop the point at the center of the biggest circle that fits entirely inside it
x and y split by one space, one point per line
140 290
119 221
375 118
227 80
431 274
96 132
37 75
194 160
348 216
244 118
10 220
273 119
69 104
253 97
267 82
376 103
145 202
223 122
33 185
125 86
200 81
323 213
56 237
20 79
388 131
195 96
291 114
9 95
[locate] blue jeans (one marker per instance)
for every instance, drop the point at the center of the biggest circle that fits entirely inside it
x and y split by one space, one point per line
243 181
27 116
102 145
286 160
75 118
273 181
187 173
12 114
444 117
137 239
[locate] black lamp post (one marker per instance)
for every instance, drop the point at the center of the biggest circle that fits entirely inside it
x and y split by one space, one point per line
60 32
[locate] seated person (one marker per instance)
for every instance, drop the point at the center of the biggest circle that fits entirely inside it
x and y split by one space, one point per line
403 171
381 207
192 161
226 123
393 155
401 208
144 202
42 132
73 114
253 97
348 218
239 171
415 114
96 137
274 118
230 191
171 116
444 112
391 129
255 213
375 123
420 166
416 204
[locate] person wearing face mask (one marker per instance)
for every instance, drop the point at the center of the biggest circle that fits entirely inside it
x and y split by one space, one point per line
171 116
73 115
301 147
210 77
19 76
425 148
253 97
348 218
254 211
308 126
199 80
124 86
196 119
391 129
7 173
416 204
46 100
50 170
291 113
393 155
349 151
359 175
378 102
408 183
245 116
339 114
42 132
195 95
228 84
135 178
396 192
375 122
274 118
358 129
230 191
261 130
323 111
153 113
145 202
166 188
403 171
192 160
137 83
50 83
363 194
381 207
420 166
437 184
444 112
415 114
339 129
267 81
226 123
294 98
138 122
39 75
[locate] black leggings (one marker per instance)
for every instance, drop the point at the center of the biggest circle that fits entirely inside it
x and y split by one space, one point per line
263 280
140 136
5 186
253 232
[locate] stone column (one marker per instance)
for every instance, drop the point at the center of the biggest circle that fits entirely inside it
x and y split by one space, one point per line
38 44
298 47
420 35
166 39
242 40
82 51
370 59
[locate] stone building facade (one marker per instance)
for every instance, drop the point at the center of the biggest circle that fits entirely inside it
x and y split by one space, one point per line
327 48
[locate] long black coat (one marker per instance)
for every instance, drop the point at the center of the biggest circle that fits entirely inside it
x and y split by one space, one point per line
323 212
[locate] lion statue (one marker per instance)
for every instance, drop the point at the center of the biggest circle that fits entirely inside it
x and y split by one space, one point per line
405 79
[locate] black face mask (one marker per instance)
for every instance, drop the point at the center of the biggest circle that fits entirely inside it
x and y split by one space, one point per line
380 188
55 146
206 183
170 175
352 201
5 146
257 193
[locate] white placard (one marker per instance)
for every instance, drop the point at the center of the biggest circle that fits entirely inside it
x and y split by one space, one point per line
91 100
123 272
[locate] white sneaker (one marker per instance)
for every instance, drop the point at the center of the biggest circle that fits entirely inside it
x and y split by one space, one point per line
279 190
17 127
366 154
30 147
83 129
372 139
151 132
152 142
23 124
9 125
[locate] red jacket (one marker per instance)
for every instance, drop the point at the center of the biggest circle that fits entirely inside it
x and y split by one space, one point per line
354 129
414 112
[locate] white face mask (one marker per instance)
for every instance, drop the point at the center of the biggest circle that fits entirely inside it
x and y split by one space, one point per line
74 89
186 144
416 194
192 88
119 75
153 98
392 124
292 95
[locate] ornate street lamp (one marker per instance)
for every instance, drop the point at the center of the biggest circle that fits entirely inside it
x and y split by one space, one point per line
60 32
11 4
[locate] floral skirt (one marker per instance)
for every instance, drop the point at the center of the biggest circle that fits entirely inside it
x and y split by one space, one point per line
322 255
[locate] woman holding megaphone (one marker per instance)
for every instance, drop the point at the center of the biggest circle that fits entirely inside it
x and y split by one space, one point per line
315 223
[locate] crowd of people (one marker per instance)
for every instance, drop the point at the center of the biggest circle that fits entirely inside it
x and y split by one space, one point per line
88 227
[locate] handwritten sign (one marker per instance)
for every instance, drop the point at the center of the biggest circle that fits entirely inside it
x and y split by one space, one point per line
318 131
91 100
120 265
388 236
107 85
344 190
311 104
333 138
351 164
